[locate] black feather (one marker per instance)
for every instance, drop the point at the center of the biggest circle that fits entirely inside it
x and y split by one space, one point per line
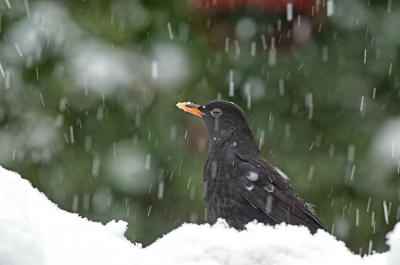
239 184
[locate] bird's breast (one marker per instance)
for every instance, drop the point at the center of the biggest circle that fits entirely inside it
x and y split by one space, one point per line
219 183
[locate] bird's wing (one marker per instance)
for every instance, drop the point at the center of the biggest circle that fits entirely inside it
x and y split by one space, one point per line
274 196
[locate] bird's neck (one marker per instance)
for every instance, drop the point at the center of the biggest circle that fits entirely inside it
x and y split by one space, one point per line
236 139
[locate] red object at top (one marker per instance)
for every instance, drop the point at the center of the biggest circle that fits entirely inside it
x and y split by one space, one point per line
266 4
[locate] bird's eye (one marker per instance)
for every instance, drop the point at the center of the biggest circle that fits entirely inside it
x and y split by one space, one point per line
216 112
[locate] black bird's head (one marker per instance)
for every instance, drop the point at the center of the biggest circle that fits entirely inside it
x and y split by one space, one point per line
222 118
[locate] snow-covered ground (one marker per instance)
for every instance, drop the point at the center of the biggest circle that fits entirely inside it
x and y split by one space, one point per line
33 231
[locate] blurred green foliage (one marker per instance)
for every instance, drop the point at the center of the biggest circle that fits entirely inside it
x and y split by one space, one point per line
88 92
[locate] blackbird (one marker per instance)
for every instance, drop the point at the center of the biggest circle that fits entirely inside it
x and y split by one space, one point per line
239 185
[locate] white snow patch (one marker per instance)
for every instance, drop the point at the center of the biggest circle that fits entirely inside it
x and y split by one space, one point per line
101 67
35 231
173 65
128 169
386 145
283 175
393 256
253 176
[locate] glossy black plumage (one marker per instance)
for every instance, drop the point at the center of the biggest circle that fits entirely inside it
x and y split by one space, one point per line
239 184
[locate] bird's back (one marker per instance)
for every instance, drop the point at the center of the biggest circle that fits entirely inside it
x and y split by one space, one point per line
241 186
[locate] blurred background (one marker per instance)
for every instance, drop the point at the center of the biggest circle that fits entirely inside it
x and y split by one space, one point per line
88 91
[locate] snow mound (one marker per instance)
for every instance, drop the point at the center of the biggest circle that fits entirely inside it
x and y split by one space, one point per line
33 231
259 244
393 256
